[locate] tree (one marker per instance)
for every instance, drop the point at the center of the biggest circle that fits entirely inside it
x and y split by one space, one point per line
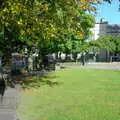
108 43
45 24
66 20
11 26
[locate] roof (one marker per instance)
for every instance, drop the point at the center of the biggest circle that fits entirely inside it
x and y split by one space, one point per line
113 26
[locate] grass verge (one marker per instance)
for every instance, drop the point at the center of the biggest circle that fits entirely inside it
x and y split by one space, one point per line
73 94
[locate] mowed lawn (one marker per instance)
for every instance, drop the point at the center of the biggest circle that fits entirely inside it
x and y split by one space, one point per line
73 94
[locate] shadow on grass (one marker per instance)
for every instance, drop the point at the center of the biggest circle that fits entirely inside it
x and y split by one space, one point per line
38 81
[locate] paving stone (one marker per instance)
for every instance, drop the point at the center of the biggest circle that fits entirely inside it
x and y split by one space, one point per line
9 103
7 116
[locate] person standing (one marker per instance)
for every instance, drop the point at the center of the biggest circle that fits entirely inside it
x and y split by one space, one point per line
2 84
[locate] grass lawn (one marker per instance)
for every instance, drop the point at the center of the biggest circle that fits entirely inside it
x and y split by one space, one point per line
73 94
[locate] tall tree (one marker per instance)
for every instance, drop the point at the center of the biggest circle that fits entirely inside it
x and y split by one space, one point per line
46 24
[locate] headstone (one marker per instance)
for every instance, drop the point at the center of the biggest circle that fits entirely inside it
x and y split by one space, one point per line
18 62
30 63
50 62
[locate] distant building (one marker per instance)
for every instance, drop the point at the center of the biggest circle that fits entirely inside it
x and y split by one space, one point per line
103 28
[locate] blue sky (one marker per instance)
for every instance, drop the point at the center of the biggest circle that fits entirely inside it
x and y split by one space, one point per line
109 12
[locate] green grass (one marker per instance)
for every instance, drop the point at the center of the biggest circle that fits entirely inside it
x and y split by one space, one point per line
78 94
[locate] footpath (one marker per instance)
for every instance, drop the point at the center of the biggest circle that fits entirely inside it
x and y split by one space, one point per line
9 104
12 98
104 66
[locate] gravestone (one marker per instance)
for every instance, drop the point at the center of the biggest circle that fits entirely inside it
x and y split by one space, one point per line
18 63
51 62
30 63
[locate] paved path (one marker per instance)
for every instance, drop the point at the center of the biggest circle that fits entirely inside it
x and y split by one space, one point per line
9 104
109 66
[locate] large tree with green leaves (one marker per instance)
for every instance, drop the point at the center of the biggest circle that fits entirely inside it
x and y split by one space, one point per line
110 43
107 43
46 24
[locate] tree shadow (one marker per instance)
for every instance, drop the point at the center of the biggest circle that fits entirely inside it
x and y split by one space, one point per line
38 81
32 80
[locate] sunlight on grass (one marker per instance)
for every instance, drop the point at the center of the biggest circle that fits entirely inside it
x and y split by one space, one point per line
83 94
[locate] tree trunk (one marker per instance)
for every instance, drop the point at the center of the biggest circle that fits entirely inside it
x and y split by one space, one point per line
83 59
60 55
56 55
75 56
